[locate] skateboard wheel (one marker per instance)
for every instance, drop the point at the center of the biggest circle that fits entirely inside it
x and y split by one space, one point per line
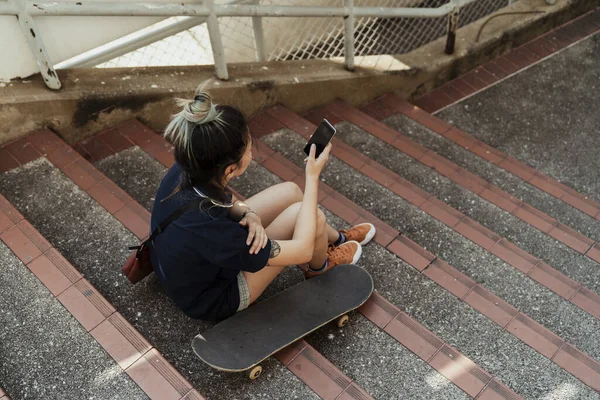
342 321
255 372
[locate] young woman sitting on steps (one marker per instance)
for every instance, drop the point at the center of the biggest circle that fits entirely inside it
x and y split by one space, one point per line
218 259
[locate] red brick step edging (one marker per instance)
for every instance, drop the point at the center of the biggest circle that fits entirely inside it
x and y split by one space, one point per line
459 369
318 373
487 75
152 372
486 190
541 221
559 231
514 61
531 266
472 378
526 329
130 350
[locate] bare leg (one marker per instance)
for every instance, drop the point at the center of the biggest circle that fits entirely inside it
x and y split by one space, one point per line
282 228
332 234
271 203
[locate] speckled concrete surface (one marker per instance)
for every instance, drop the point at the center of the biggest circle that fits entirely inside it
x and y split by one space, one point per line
369 195
501 354
545 116
44 352
505 281
380 365
506 181
256 179
96 244
136 172
435 236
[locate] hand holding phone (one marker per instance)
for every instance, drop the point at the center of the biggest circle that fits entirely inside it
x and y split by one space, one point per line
314 165
321 138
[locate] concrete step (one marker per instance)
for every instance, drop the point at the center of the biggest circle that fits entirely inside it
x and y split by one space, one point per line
96 241
557 135
387 206
542 243
528 76
374 376
46 352
136 172
499 177
565 258
572 227
502 282
481 220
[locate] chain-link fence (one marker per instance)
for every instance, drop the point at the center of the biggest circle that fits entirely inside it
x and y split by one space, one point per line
290 38
190 47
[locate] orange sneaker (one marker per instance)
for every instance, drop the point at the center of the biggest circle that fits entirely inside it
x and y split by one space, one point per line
362 233
346 253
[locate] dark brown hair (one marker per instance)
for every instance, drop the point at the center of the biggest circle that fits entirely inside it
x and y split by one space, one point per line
207 139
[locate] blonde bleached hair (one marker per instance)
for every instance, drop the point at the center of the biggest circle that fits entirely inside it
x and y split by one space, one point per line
200 110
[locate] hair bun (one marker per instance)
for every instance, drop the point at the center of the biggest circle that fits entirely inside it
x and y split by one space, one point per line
202 97
200 110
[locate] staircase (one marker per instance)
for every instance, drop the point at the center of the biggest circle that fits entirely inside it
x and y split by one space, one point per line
486 269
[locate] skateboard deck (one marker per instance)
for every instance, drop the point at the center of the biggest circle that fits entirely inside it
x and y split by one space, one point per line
252 335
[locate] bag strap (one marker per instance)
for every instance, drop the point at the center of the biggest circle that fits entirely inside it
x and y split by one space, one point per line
174 215
163 225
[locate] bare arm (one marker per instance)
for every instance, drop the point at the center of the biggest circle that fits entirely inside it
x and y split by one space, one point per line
300 248
235 212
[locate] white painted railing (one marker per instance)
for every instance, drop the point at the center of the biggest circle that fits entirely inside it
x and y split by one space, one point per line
208 12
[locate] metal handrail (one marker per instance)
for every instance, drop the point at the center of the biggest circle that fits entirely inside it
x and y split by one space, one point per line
95 57
136 41
105 9
209 11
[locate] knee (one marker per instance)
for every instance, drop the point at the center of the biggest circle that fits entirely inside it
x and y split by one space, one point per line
293 191
296 206
321 219
321 222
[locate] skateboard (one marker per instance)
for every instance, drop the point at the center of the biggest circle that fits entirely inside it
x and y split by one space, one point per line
241 342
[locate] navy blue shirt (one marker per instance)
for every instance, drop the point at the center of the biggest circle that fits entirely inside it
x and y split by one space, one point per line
199 255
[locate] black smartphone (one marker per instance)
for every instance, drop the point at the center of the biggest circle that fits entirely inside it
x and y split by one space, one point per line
321 137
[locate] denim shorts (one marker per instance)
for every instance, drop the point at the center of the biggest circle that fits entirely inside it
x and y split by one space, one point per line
244 292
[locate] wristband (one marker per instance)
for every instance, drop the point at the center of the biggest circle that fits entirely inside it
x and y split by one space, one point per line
249 210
